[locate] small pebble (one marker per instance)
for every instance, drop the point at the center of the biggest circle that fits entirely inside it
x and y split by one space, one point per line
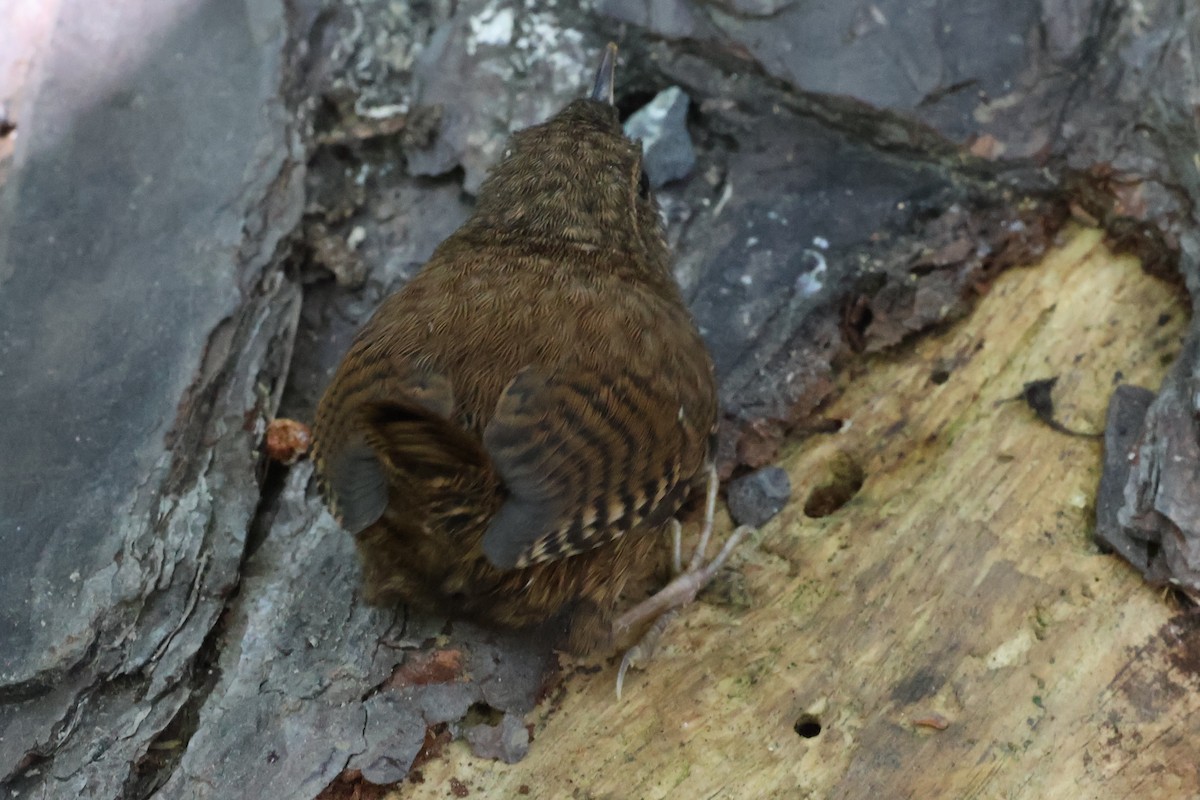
287 440
759 496
661 124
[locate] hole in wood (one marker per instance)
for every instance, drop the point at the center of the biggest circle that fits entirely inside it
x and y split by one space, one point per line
483 714
844 479
808 726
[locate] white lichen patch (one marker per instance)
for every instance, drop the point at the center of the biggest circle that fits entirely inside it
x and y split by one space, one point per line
492 26
1011 651
810 282
546 44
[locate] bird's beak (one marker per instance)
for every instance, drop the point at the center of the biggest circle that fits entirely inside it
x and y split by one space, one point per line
606 75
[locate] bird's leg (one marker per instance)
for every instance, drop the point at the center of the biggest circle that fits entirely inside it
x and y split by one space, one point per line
664 605
676 547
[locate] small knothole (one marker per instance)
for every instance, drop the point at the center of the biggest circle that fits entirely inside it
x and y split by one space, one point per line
483 714
808 726
844 478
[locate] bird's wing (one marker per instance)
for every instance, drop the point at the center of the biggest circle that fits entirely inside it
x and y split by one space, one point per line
379 430
354 484
587 457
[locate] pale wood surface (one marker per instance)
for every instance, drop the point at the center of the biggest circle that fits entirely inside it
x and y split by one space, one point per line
961 581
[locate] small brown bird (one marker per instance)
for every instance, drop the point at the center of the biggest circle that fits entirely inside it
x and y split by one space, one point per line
511 433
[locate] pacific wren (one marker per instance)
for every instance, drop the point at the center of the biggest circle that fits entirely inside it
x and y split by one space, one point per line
511 433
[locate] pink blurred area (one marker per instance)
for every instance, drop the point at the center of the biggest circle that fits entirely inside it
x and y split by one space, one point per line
26 33
69 66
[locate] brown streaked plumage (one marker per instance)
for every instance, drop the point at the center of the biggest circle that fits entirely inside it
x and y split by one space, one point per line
509 434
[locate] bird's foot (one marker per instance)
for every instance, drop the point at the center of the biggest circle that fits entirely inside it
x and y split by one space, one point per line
664 605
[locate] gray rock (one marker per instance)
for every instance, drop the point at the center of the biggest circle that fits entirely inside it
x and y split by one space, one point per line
942 64
759 496
310 679
297 656
1160 516
508 741
672 18
145 324
1122 430
492 70
755 8
661 124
